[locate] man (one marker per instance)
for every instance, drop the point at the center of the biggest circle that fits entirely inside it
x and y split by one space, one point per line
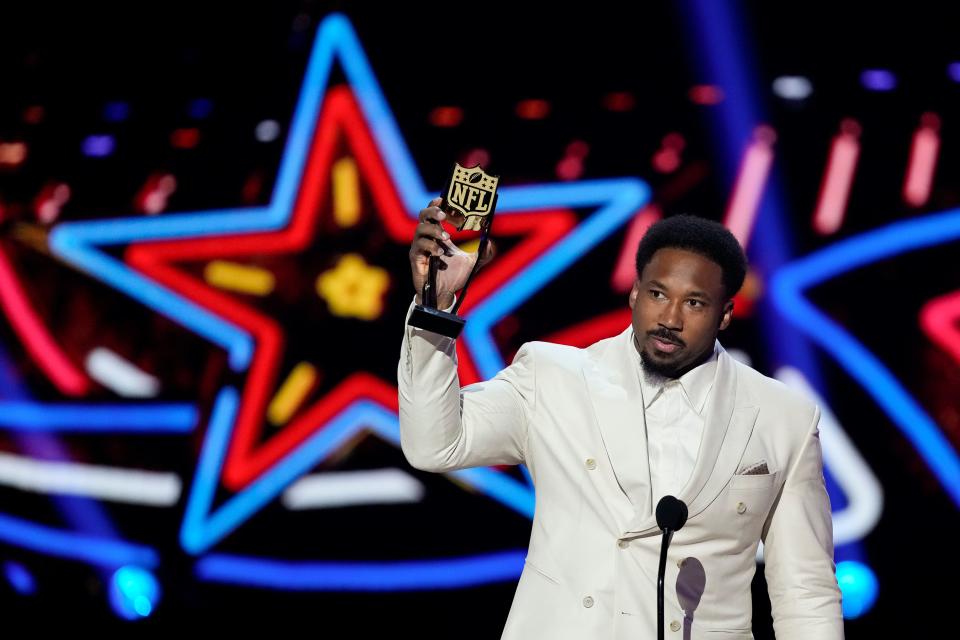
606 431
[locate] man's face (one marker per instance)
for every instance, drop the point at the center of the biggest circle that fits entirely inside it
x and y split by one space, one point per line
678 307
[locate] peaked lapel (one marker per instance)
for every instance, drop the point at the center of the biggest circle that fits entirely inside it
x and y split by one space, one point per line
615 393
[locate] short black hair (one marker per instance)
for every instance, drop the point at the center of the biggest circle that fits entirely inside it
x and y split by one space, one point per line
705 237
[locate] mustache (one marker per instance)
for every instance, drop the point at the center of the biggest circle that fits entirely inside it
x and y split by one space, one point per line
667 336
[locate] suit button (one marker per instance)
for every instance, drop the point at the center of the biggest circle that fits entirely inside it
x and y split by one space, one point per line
590 463
588 602
741 508
623 544
675 626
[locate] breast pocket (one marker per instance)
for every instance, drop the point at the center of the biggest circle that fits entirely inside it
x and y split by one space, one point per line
749 498
754 482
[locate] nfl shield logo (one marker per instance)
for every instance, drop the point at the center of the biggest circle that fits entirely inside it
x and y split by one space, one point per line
472 193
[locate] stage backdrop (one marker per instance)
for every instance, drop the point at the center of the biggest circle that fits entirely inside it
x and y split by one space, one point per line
204 226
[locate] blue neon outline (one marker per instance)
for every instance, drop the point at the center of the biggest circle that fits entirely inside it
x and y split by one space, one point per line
93 418
787 286
451 573
74 546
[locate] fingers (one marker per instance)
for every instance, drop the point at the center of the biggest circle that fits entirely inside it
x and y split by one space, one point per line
430 230
432 213
428 233
430 239
429 236
430 247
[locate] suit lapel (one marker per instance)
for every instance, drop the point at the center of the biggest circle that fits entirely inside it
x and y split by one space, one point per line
729 416
615 393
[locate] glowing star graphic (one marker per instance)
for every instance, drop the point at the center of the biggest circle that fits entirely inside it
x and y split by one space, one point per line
353 288
235 453
249 457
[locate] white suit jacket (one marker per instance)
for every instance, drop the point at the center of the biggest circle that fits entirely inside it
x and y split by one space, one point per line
575 418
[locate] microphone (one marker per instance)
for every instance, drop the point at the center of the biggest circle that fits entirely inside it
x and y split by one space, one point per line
671 513
671 516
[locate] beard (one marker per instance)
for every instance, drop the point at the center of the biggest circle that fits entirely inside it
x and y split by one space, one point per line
657 373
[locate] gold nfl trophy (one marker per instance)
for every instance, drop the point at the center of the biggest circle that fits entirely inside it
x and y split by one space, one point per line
469 202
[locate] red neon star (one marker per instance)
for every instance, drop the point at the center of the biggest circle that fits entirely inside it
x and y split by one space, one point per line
249 454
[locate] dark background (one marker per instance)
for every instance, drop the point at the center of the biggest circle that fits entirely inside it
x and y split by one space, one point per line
248 61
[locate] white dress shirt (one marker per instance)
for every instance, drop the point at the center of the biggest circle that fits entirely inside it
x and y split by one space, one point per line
672 411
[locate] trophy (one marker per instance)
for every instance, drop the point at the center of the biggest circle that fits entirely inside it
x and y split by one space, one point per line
471 194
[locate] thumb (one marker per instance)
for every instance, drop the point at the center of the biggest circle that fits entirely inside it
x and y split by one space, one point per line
436 201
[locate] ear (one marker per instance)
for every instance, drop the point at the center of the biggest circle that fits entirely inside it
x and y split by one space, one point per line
727 315
634 292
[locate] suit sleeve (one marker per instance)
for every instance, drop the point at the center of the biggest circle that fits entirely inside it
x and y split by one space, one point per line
798 551
444 427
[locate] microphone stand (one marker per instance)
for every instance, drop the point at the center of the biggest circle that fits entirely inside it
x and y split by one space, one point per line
671 516
664 545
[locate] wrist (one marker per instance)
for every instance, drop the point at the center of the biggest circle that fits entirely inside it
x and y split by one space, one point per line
445 301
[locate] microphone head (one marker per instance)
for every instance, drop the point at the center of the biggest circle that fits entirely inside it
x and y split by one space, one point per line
671 513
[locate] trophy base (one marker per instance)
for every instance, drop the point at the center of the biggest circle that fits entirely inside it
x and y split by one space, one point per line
446 324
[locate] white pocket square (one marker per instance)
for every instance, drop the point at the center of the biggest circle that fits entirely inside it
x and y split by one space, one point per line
755 469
